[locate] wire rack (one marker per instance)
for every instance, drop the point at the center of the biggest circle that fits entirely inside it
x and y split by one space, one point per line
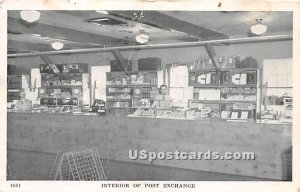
78 164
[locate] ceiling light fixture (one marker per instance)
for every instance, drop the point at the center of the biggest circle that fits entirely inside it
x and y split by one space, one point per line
30 15
102 12
259 28
57 45
142 38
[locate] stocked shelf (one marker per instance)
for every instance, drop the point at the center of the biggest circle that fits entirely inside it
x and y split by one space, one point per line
223 70
131 85
123 100
62 86
228 90
118 92
221 101
237 101
206 101
141 86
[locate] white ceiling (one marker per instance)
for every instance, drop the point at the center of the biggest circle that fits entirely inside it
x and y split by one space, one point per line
72 28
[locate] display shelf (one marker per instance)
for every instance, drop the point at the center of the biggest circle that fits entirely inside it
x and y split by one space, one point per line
121 100
238 93
78 73
58 98
62 86
72 83
207 86
221 101
139 85
118 92
123 107
225 86
237 101
62 105
223 70
130 85
229 81
238 86
206 101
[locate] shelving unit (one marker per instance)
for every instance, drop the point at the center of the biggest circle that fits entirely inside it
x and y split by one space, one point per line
65 88
125 90
224 90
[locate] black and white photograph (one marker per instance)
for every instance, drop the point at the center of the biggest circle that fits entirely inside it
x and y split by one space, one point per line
149 95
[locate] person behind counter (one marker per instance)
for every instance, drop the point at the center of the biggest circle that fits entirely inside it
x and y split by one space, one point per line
163 100
23 104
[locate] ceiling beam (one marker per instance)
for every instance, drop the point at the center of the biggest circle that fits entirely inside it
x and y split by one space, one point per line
18 26
18 46
162 46
158 19
44 43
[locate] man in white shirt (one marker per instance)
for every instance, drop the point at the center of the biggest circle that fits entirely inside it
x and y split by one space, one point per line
23 104
163 100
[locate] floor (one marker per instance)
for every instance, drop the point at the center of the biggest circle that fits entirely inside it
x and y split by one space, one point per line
30 165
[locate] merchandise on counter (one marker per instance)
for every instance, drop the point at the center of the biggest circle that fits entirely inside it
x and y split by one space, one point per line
205 112
99 106
234 115
215 114
170 113
225 114
244 114
239 97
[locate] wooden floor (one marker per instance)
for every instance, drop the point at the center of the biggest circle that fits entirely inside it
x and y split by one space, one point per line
20 169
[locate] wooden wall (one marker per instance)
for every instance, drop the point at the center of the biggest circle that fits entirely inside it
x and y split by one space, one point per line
114 136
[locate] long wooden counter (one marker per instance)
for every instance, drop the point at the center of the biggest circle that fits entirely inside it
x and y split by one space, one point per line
115 136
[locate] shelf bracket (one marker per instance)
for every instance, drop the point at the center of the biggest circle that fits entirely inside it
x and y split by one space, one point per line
118 55
212 54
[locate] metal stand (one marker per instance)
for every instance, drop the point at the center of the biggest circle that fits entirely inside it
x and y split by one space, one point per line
78 164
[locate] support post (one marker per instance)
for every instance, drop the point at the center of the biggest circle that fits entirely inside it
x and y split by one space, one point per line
118 55
212 54
49 62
